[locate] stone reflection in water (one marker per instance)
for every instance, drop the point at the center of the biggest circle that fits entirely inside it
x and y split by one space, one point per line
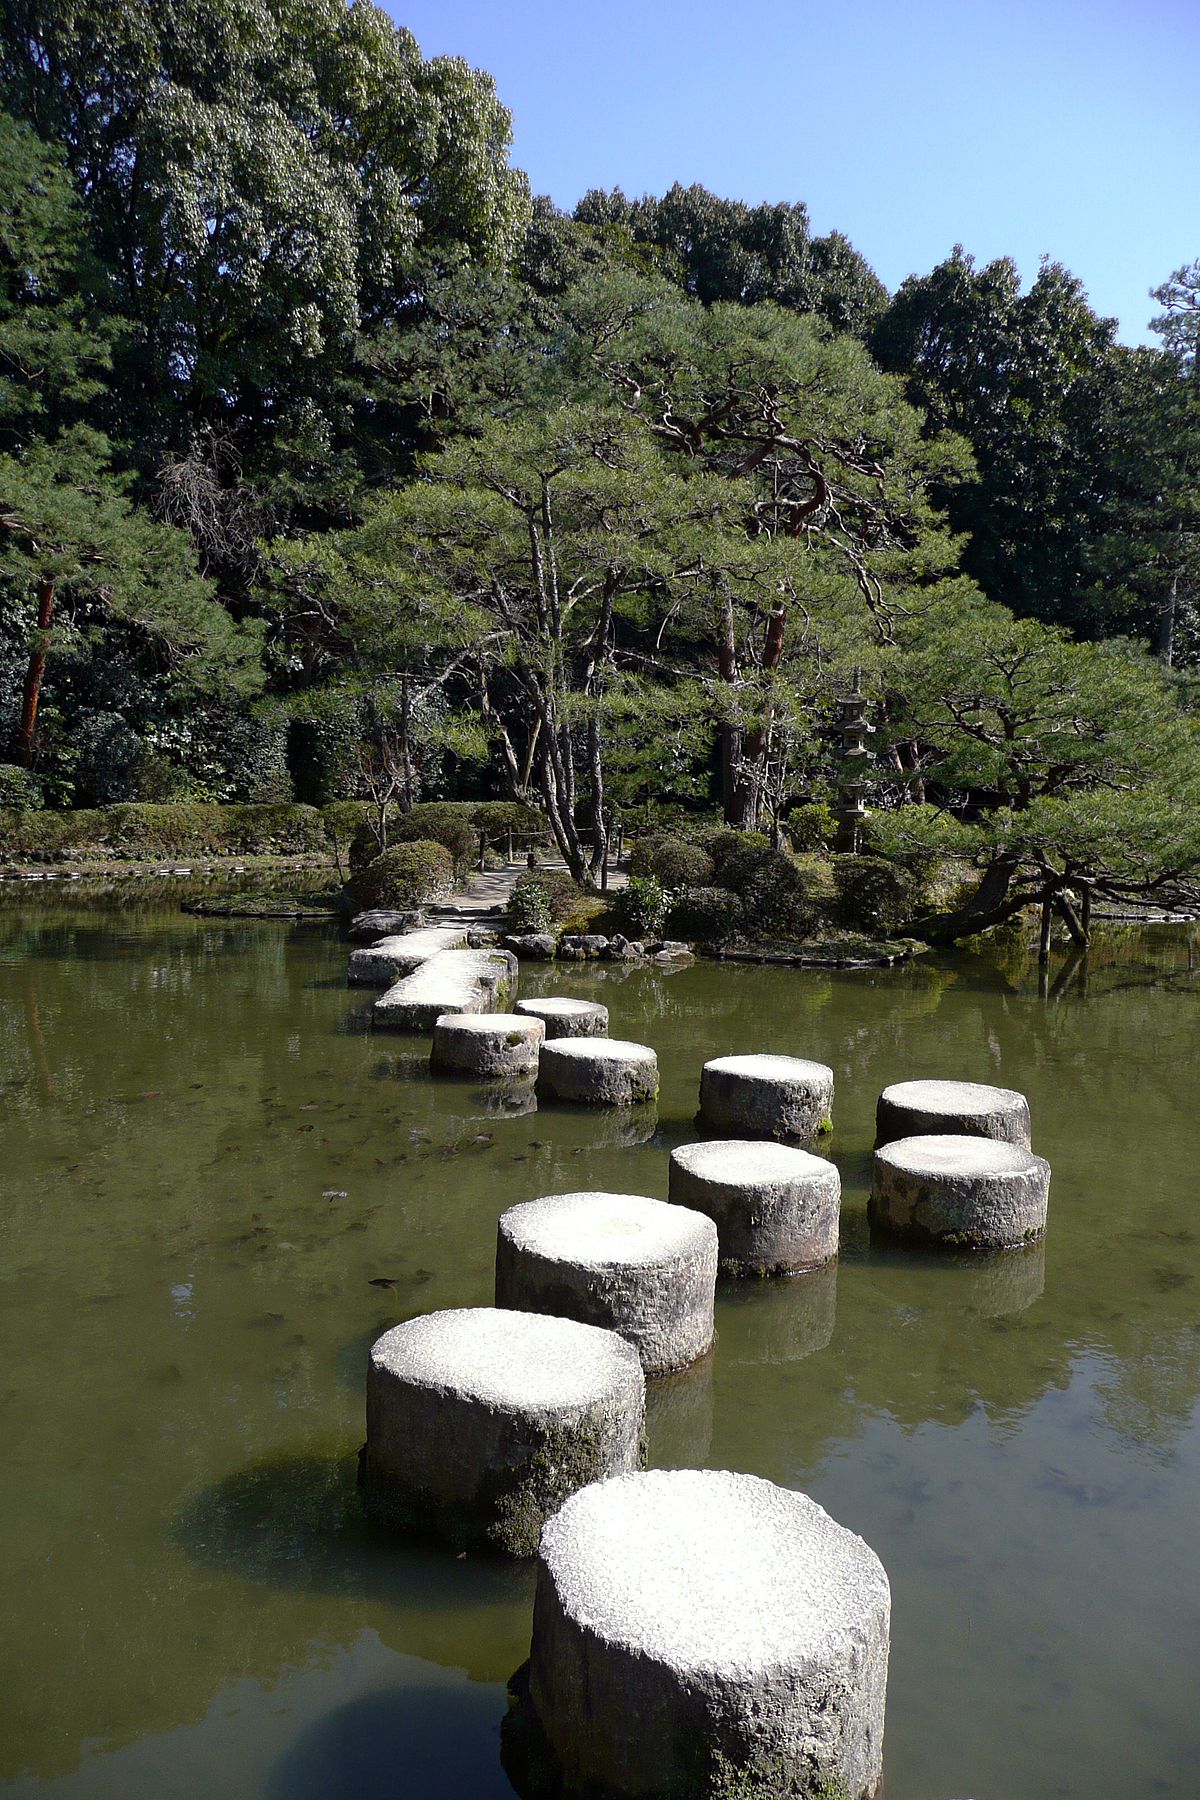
679 1417
778 1320
989 1283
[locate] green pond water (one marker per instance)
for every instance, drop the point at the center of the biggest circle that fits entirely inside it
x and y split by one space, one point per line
209 1166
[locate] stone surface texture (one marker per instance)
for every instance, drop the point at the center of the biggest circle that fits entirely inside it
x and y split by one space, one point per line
567 1018
693 1627
392 957
598 1071
634 1265
962 1108
766 1096
970 1192
453 981
490 1046
775 1207
480 1422
369 927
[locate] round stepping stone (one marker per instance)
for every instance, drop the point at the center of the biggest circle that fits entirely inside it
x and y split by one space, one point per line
635 1265
695 1629
564 1018
481 1422
598 1071
775 1207
967 1192
963 1108
490 1046
766 1096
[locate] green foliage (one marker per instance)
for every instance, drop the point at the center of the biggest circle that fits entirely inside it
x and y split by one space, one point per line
547 896
776 898
405 875
877 896
444 823
812 826
133 830
640 907
672 861
710 916
20 789
736 855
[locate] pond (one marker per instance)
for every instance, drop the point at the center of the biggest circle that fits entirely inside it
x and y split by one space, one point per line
219 1187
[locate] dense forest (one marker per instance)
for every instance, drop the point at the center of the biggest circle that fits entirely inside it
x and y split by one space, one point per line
333 463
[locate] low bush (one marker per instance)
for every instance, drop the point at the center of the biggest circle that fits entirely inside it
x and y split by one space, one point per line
542 899
709 916
875 894
441 822
735 856
405 875
777 898
20 788
672 861
639 909
137 829
494 819
812 826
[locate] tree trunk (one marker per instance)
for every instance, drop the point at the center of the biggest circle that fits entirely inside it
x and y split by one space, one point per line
1044 933
991 904
33 675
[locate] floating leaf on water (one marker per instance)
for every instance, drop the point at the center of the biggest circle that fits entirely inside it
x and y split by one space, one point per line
308 1106
150 1094
482 1137
335 1194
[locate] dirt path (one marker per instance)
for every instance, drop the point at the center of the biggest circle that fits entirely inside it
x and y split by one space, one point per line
485 897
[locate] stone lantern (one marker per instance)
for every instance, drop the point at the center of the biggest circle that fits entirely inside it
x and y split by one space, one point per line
853 729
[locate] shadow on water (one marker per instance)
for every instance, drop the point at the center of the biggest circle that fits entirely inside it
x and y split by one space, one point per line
294 1522
440 1743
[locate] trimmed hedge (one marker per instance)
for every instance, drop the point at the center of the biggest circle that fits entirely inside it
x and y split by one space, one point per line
672 861
405 875
709 916
136 829
542 899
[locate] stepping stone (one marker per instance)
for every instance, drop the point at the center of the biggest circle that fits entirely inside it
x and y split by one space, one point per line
453 981
967 1192
635 1265
390 958
766 1096
481 1422
598 1071
700 1632
490 1046
962 1108
564 1018
776 1208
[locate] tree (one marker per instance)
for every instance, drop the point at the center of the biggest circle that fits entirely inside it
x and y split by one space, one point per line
817 450
724 250
257 179
1023 378
1058 771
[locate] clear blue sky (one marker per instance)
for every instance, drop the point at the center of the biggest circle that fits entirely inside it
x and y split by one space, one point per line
1065 127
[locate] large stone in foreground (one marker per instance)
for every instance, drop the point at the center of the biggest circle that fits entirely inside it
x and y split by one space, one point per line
969 1193
481 1422
775 1207
766 1097
489 1046
454 981
703 1633
635 1265
393 957
961 1108
564 1017
598 1071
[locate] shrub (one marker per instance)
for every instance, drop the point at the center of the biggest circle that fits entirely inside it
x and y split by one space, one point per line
711 916
777 900
109 753
138 829
440 822
874 894
736 855
20 788
494 819
547 896
640 907
672 861
812 826
405 875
